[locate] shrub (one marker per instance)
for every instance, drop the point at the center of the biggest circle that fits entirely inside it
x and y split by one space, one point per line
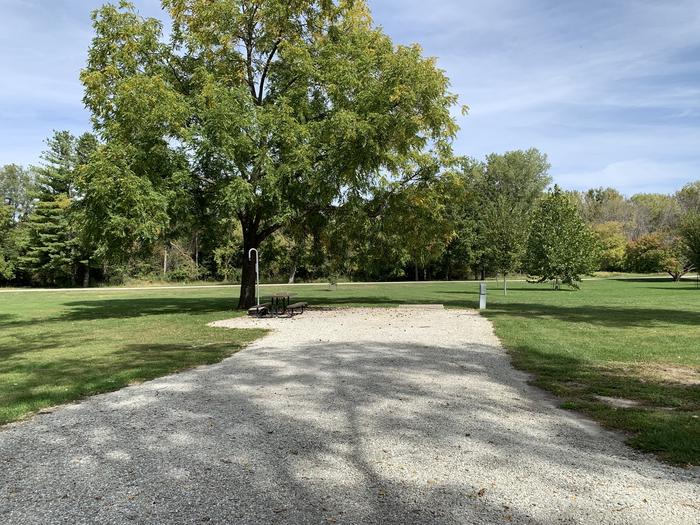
646 254
612 243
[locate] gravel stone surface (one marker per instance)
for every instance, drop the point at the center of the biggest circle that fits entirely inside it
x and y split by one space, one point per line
344 416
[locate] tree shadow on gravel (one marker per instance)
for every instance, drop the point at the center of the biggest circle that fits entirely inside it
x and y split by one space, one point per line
323 433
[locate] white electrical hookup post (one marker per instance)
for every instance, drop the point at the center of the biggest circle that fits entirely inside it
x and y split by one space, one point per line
482 296
257 273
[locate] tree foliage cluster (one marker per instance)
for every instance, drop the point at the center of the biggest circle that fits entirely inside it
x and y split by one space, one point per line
300 129
474 220
645 233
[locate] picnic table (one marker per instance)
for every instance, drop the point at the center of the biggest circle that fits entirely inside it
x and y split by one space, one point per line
280 304
280 301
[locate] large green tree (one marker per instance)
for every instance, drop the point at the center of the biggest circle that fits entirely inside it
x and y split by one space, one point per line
417 219
604 205
561 247
508 191
612 243
262 110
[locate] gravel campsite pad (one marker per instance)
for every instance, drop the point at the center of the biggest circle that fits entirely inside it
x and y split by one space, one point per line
407 415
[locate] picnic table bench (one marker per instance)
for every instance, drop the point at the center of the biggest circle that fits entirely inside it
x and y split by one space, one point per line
296 307
278 305
260 310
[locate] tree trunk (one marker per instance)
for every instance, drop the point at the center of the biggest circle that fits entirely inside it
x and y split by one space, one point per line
247 297
415 265
292 275
86 275
196 252
505 285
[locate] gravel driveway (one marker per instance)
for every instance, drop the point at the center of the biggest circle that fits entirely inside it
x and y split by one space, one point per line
354 416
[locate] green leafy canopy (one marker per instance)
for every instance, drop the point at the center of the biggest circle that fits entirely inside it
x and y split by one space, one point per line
272 109
561 246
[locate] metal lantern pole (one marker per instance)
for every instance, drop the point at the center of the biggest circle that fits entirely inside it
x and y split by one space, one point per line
257 273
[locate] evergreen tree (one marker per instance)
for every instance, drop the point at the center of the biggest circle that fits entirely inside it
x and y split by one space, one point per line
54 249
561 247
51 252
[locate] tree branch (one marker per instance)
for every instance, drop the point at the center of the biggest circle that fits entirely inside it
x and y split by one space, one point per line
266 232
266 69
249 41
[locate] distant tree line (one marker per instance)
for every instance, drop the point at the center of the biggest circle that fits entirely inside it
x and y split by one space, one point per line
477 219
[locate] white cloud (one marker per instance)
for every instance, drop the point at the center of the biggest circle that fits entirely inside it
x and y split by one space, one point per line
593 84
602 87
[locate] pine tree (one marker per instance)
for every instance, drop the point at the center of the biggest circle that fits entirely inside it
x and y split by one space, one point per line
54 250
561 247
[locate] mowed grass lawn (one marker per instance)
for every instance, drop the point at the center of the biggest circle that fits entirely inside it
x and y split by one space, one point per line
638 340
57 347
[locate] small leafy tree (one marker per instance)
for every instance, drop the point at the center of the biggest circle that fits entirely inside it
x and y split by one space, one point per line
676 261
646 254
561 247
508 192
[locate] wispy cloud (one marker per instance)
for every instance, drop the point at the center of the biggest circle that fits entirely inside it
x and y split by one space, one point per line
610 90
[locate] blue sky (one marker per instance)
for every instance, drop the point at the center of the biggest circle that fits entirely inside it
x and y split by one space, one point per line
609 90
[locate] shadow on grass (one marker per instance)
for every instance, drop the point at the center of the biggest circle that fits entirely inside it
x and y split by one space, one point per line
602 315
642 279
9 320
599 315
142 307
683 287
20 342
65 378
665 422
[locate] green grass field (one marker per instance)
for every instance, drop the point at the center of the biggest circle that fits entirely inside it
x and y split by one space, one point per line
59 347
632 339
